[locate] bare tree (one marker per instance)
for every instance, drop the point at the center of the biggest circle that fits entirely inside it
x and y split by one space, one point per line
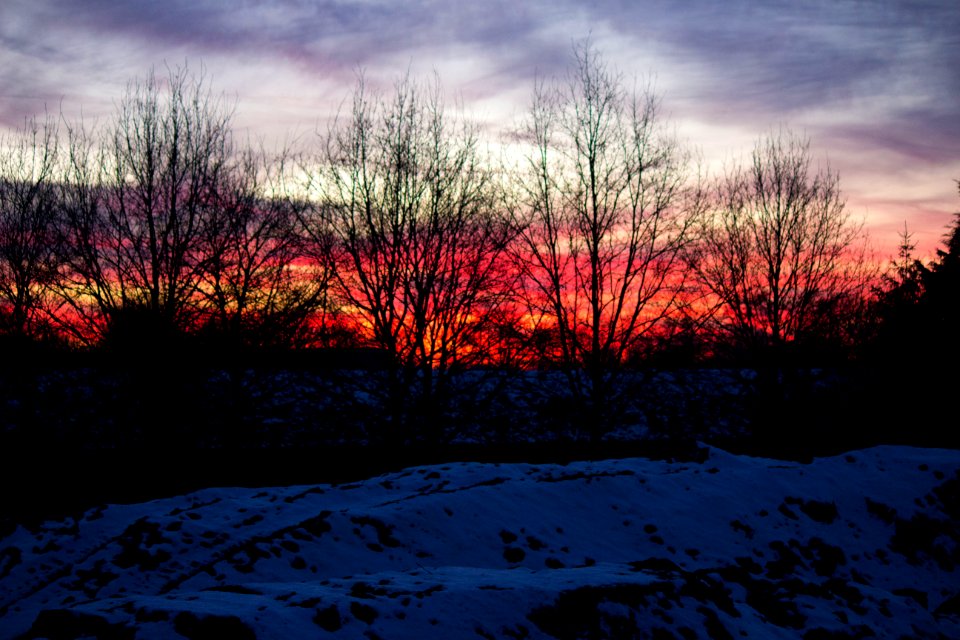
137 201
778 249
256 286
417 239
601 208
29 256
84 288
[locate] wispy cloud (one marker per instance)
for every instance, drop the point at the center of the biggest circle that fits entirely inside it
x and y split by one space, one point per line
864 79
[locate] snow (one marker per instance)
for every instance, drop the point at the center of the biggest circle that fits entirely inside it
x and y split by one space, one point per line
864 543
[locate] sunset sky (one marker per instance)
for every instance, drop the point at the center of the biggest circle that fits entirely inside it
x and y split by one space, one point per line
876 85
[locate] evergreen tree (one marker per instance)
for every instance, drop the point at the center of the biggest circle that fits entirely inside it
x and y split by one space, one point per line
940 298
918 305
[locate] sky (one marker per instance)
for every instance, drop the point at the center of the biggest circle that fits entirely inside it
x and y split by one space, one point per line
875 85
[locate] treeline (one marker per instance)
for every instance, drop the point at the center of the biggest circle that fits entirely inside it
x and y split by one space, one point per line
595 245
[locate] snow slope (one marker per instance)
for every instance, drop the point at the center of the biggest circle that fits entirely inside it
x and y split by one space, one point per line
863 544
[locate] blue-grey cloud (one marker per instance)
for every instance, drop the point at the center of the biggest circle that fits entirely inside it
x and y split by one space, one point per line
860 76
902 59
329 38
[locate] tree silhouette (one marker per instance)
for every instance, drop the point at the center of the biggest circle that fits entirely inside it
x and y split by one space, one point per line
777 250
601 212
940 300
29 248
897 301
137 203
408 210
255 288
916 346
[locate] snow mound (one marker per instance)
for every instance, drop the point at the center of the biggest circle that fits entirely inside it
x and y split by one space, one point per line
862 544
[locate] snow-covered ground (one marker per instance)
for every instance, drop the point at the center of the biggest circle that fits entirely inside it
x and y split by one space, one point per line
863 544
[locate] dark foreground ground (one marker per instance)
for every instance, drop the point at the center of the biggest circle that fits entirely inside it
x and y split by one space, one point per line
75 436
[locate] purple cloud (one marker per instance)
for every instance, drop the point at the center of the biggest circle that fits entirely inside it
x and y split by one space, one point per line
860 78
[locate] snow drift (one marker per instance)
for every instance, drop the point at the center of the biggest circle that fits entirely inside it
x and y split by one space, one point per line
857 545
